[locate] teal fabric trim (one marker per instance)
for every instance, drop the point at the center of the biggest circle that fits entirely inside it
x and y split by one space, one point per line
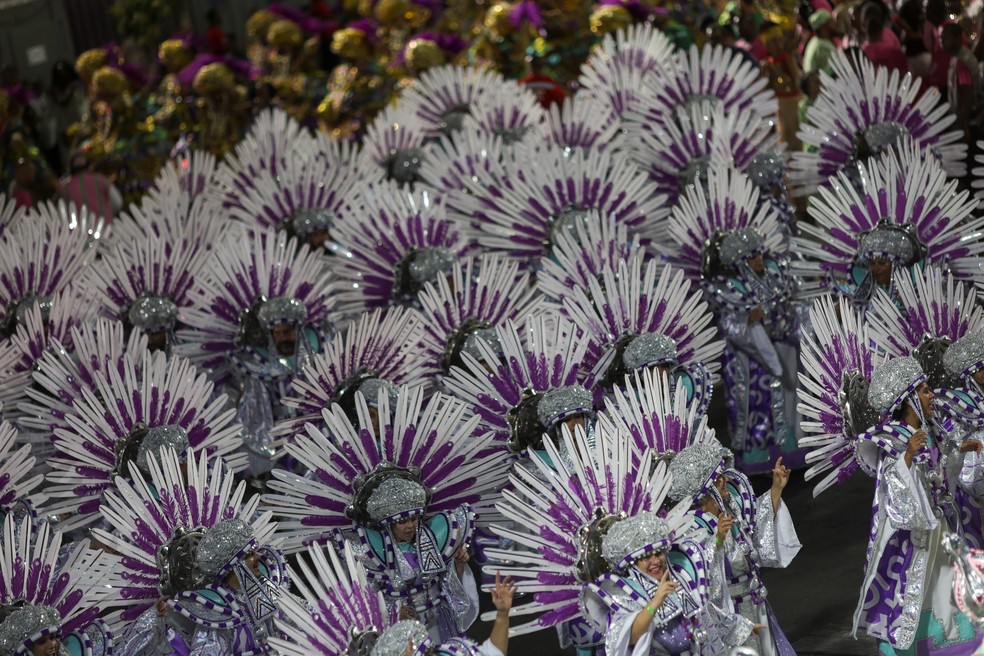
680 560
441 528
375 539
931 629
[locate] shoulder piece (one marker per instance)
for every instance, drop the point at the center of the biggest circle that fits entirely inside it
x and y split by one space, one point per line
212 607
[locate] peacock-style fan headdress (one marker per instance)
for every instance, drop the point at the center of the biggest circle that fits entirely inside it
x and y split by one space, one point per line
444 96
615 71
511 369
17 483
310 194
704 218
402 241
677 153
562 509
581 121
121 423
661 420
273 140
471 153
582 252
40 257
379 351
341 612
931 311
394 147
11 213
631 303
50 589
482 292
506 110
906 211
714 75
837 363
866 110
521 213
429 454
157 518
246 273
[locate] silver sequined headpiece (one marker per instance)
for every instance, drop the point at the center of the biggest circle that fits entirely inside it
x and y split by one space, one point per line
158 438
559 404
892 382
649 349
27 625
222 546
566 222
891 241
151 313
480 335
44 303
305 222
282 310
693 470
393 641
739 244
882 136
695 171
965 356
396 498
373 387
426 264
633 538
766 169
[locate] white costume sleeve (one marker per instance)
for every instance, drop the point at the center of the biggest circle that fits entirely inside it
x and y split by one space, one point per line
906 504
775 536
488 649
620 633
724 630
462 595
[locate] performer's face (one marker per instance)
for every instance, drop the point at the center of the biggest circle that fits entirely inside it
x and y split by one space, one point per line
721 483
284 338
156 340
46 646
253 562
881 270
574 421
978 377
926 397
757 263
654 565
405 529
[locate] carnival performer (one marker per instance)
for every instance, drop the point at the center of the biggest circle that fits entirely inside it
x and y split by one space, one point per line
341 613
903 213
744 532
912 608
398 483
641 318
256 321
50 604
185 495
723 238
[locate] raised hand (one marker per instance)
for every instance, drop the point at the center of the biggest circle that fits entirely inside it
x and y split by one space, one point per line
725 522
502 594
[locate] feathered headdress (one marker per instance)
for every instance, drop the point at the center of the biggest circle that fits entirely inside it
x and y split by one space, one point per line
679 151
506 110
403 240
471 153
482 293
906 211
379 346
579 122
435 446
703 217
505 389
581 253
310 194
341 613
837 362
394 146
116 427
865 110
48 591
932 311
158 518
16 482
623 304
244 273
615 71
522 212
40 257
562 509
442 97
